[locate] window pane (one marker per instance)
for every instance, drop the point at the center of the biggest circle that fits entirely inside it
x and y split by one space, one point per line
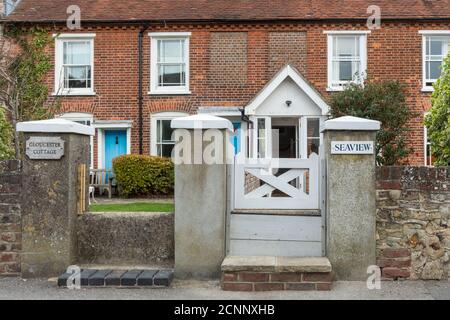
435 47
261 126
345 71
261 138
77 53
77 77
313 126
171 76
433 69
170 51
346 47
261 148
313 146
166 131
165 150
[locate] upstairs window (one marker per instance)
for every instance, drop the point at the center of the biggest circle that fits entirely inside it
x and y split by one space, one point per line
169 63
435 49
74 65
347 59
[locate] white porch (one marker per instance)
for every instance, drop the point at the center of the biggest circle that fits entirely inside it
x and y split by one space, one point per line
276 198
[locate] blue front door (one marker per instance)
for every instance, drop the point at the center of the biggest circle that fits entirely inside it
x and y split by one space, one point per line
236 137
115 145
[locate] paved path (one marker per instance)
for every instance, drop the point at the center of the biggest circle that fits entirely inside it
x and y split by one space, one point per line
14 288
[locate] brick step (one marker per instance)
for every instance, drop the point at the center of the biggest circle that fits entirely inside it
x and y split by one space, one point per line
121 278
271 273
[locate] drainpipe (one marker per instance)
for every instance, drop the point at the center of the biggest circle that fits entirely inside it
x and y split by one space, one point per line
140 89
246 119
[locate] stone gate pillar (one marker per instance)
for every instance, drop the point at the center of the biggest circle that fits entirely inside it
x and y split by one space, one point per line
200 197
349 146
56 158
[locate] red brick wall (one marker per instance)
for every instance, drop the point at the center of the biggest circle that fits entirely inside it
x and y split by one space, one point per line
394 52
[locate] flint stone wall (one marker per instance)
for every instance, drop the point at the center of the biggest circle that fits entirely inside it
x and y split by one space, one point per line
413 218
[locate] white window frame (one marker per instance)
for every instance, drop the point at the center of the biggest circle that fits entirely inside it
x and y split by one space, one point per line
267 136
80 116
425 35
176 90
363 55
60 39
154 118
303 135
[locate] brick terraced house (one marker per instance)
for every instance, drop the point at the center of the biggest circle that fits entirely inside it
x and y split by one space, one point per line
136 65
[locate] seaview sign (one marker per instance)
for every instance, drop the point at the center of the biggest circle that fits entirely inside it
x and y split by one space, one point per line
352 147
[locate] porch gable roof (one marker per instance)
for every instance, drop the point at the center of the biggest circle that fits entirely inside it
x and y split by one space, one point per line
286 72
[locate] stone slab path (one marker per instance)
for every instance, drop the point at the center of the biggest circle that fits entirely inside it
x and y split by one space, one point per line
15 288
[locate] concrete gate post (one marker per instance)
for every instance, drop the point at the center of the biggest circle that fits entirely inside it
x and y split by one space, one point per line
200 198
56 157
349 145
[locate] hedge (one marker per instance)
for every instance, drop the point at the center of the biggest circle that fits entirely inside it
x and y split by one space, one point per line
144 175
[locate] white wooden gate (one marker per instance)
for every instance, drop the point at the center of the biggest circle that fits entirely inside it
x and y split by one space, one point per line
277 183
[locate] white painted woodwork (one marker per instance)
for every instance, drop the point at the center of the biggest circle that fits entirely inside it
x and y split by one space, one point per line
275 248
260 198
288 90
275 227
287 84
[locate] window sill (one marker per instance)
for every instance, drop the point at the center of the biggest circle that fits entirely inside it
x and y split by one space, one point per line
427 89
335 89
73 94
169 93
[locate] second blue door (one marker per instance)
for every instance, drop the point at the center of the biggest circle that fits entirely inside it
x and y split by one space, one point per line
115 145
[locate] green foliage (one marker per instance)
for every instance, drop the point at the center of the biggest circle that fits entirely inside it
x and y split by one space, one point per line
383 101
438 119
6 136
30 69
144 175
132 207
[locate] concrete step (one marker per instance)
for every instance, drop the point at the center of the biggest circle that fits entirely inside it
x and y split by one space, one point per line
120 278
271 273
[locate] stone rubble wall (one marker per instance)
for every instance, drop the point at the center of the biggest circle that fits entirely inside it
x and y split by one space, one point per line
413 218
126 238
10 218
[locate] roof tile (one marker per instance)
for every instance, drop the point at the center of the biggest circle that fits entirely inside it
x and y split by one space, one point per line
233 10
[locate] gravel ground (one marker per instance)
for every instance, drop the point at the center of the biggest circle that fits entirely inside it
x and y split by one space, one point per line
16 289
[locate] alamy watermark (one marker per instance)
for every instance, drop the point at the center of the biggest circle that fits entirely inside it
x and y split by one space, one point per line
74 18
374 20
374 279
74 280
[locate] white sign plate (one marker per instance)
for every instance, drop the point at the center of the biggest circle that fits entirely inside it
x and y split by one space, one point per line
45 148
352 147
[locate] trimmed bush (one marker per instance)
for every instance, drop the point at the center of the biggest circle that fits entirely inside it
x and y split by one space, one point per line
144 175
383 101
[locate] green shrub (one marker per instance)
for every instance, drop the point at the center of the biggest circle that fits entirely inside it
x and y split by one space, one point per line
144 175
438 120
383 101
6 137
